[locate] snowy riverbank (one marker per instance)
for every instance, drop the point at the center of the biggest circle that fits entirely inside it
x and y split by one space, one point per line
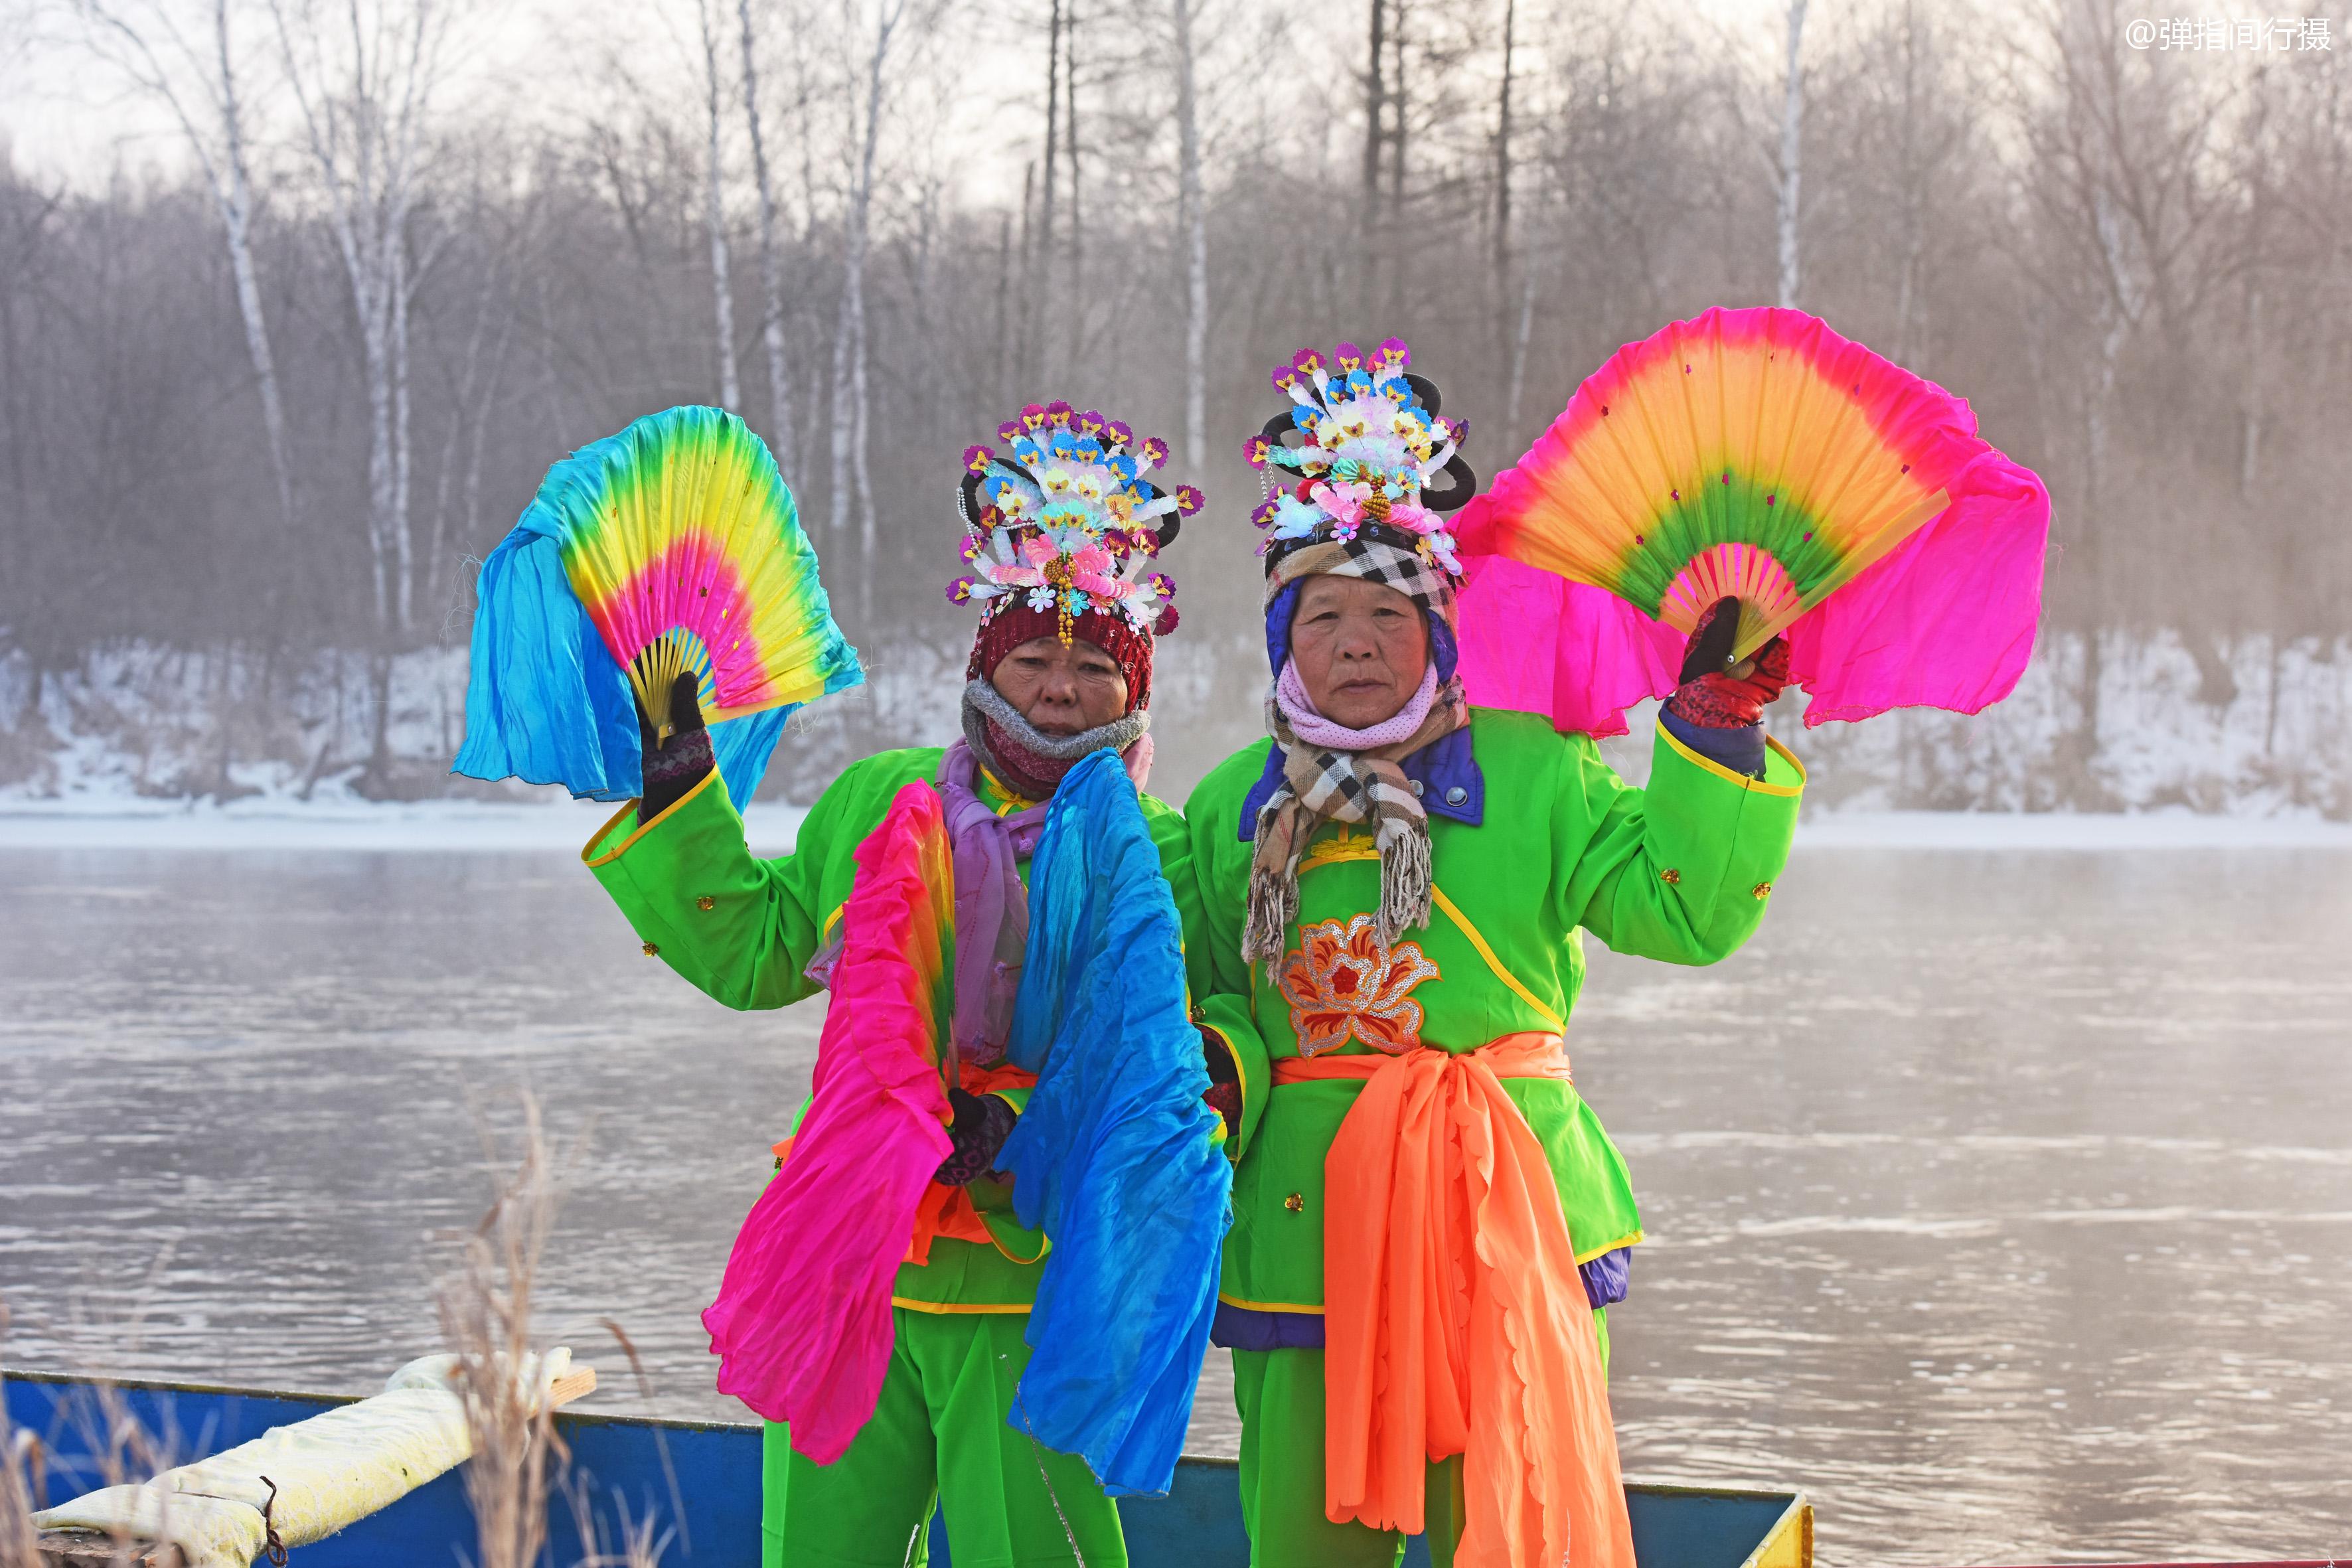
105 823
560 825
2248 744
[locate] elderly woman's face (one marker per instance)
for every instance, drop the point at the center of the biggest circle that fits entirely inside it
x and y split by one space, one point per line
1359 648
1061 691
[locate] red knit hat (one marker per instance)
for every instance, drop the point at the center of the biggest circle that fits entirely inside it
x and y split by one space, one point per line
1013 625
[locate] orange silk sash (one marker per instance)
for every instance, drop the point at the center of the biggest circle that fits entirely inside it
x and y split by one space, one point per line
947 1211
1454 1321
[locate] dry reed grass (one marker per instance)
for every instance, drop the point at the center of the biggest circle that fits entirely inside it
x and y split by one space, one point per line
485 1304
22 1483
484 1307
122 1449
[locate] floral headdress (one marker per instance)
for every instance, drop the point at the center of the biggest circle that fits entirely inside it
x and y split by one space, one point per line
1370 440
1066 523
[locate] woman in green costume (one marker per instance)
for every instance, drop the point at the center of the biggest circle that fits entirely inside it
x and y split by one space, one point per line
1393 891
1060 534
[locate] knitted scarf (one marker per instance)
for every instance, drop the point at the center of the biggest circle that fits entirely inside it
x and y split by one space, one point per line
1032 761
1331 773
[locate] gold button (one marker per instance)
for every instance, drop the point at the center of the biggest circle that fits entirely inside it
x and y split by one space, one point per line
651 951
1761 889
1294 1203
706 902
1670 877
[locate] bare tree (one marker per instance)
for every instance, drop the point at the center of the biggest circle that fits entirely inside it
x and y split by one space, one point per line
1039 262
1503 165
1375 109
849 343
365 91
198 82
730 390
771 287
1792 125
1192 227
1070 109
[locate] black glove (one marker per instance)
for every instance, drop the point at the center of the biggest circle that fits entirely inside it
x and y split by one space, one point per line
1714 697
1710 640
982 1123
673 767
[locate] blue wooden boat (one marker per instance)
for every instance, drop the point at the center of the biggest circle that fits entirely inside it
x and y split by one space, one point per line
701 1481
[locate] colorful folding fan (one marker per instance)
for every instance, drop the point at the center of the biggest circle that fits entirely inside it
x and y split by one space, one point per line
672 547
802 1320
1756 453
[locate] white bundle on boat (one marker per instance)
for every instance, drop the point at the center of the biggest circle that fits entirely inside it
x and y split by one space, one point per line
328 1472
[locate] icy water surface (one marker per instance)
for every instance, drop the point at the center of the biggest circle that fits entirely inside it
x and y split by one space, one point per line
2002 1200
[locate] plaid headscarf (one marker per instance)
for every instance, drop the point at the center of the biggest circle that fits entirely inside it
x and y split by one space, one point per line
1323 785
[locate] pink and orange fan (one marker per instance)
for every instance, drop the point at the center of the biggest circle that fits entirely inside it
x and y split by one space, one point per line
1845 501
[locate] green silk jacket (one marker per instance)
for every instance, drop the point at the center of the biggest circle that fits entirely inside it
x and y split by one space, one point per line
1681 871
741 930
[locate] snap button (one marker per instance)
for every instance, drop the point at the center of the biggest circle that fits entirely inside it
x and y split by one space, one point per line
1456 795
1415 784
1294 1203
651 951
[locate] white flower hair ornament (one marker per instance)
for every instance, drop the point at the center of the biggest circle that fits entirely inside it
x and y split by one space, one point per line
1363 439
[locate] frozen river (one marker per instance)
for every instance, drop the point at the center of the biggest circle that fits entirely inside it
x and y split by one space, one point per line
2001 1200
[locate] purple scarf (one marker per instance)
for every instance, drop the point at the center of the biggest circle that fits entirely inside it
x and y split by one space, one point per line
992 906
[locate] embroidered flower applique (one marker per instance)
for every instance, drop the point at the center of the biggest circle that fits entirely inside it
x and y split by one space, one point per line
1340 984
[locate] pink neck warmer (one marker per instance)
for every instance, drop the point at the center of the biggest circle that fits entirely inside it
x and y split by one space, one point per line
1310 725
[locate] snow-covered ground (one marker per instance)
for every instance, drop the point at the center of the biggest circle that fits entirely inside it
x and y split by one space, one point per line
2068 830
262 824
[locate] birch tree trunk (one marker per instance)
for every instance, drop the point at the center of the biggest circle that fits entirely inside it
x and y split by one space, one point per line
1907 293
771 289
403 524
730 391
849 363
364 108
1793 124
220 143
1529 279
237 215
1077 226
1503 174
2250 447
1038 266
1375 103
1192 221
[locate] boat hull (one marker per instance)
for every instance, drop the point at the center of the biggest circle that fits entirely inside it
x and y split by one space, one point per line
701 1481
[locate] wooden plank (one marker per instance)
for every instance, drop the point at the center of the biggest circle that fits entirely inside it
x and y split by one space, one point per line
571 1386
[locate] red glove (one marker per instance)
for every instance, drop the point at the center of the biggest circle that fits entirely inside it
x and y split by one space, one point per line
1714 697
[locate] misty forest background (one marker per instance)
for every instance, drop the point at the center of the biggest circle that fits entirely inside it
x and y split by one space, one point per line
270 389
